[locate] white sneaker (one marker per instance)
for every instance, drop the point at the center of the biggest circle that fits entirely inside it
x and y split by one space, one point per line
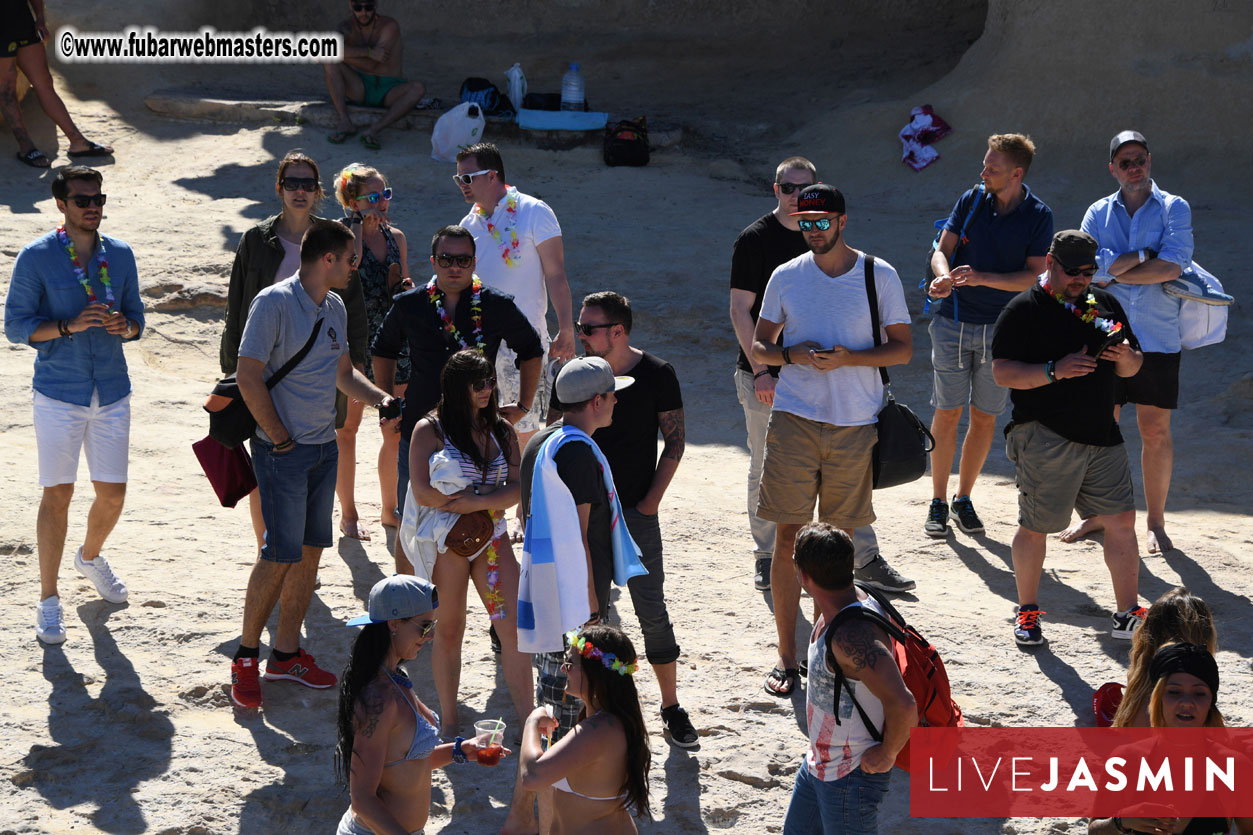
106 582
49 627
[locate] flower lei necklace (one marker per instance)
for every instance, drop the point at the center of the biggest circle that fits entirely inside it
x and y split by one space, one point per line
102 262
511 251
495 599
1109 327
476 313
585 648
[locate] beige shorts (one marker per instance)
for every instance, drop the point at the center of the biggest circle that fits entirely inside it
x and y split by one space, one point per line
1056 476
808 461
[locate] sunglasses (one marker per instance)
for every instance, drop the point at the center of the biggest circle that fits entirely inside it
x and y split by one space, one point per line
308 184
363 7
427 628
822 223
588 330
792 188
467 179
1077 271
375 196
1132 162
446 261
91 200
485 383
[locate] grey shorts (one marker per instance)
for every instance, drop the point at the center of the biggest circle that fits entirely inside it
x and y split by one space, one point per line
349 825
961 359
1056 476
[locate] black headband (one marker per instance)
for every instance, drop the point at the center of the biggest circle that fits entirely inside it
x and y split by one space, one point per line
1185 658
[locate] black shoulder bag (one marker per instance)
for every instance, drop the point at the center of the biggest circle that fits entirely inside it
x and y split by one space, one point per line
230 422
900 456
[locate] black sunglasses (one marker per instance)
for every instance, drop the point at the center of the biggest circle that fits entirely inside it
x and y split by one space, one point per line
363 7
588 330
308 184
485 383
1132 162
791 188
446 261
83 202
1077 271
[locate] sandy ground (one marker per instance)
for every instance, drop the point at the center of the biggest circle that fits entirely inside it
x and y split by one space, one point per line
127 727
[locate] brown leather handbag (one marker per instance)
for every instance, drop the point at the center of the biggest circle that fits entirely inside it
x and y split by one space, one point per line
470 534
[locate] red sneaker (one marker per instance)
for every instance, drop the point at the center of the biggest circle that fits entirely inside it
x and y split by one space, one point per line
245 683
301 669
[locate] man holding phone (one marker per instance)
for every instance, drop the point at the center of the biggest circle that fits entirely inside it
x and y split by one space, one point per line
74 298
822 429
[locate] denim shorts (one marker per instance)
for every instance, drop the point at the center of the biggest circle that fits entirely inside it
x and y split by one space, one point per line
849 805
961 359
297 492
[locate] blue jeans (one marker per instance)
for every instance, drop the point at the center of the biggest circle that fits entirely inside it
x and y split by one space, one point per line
297 492
848 805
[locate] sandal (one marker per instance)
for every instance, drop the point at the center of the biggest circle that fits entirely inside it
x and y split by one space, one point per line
786 675
339 136
370 142
93 150
34 158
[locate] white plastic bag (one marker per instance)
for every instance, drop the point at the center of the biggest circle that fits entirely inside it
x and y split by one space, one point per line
458 128
517 85
1202 324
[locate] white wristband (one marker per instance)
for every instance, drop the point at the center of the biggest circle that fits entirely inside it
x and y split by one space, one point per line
1143 257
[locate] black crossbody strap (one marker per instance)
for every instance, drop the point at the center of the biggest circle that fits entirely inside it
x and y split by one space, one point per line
878 620
872 296
296 357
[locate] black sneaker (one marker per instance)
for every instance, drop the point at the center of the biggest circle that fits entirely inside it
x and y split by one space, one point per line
494 638
937 520
761 574
679 727
878 574
964 511
1027 625
1126 623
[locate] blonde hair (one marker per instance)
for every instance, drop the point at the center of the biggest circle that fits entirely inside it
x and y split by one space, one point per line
1178 615
349 181
1017 147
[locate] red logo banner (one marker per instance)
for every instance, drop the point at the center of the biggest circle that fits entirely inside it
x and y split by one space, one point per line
1081 772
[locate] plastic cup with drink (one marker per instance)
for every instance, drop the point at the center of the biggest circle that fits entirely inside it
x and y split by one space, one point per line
489 735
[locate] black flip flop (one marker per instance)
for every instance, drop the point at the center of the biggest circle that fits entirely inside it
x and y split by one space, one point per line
32 158
788 676
93 150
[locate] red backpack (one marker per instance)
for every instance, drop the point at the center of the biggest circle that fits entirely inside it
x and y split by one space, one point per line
920 665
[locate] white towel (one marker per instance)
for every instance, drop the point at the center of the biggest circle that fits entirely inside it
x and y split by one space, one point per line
424 529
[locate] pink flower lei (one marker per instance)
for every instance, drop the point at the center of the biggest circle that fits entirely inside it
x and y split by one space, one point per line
585 648
511 250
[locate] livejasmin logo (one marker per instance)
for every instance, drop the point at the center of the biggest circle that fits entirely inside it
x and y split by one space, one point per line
1038 772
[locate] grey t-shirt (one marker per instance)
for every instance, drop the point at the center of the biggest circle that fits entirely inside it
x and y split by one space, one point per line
278 325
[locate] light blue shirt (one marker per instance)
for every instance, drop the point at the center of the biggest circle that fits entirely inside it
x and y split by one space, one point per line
45 289
1164 225
278 325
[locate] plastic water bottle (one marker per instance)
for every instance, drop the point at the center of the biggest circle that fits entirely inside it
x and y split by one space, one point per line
572 89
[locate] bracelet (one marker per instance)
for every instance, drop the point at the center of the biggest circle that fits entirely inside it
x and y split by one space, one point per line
787 359
1050 370
63 327
1143 257
285 445
761 373
458 756
526 410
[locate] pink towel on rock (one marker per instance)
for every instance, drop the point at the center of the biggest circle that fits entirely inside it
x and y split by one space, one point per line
924 128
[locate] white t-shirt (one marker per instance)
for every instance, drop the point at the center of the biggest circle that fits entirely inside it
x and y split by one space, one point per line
812 305
532 224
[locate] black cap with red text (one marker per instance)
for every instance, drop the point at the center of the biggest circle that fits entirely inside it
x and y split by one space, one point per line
819 199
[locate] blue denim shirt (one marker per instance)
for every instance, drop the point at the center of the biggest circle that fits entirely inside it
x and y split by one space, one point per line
1164 225
44 289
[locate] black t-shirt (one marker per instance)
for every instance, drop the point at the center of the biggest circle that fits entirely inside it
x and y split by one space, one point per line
413 321
762 246
630 442
1035 328
579 470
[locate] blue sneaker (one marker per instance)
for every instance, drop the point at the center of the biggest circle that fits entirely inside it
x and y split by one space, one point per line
1192 286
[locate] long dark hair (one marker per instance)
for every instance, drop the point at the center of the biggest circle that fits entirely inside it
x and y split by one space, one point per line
364 662
615 694
456 408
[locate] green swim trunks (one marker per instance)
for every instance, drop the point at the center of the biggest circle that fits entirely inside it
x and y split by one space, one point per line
377 87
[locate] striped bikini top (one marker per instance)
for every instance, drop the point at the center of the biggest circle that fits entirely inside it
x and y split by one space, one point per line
497 469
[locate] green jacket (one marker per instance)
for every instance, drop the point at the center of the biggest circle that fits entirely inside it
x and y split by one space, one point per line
257 260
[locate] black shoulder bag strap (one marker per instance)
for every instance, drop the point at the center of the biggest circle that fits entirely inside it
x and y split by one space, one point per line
872 296
296 357
878 620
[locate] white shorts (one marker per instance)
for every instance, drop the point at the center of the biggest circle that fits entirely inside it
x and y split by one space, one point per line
62 429
509 383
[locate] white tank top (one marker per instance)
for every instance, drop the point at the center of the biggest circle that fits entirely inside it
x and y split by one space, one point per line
835 750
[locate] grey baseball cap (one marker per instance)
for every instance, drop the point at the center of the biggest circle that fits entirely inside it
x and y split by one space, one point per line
583 378
397 597
1123 138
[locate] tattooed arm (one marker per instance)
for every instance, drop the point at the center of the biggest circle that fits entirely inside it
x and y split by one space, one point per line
674 440
864 654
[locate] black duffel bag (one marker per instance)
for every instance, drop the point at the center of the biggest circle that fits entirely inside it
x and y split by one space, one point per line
900 456
230 422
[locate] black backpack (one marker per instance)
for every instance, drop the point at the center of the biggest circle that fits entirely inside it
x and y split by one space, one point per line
487 96
626 143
